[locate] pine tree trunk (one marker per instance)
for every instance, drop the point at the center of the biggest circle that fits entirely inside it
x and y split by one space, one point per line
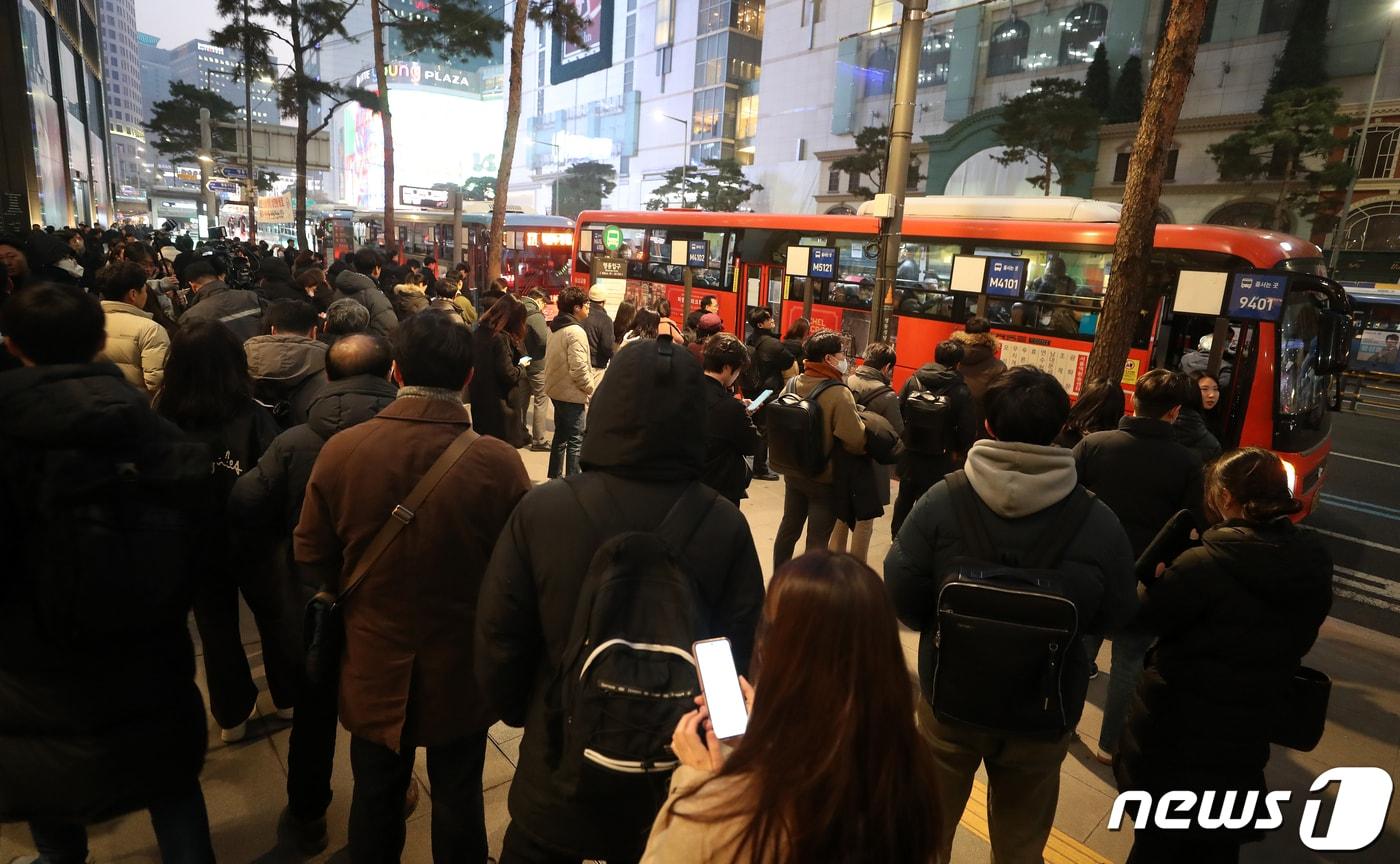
385 118
498 206
1171 75
1281 202
303 137
1049 175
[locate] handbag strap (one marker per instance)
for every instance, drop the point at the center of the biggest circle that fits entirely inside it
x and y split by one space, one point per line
402 514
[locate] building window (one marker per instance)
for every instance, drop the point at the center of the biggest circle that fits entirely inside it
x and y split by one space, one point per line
665 23
879 70
1120 166
934 55
1006 55
1249 214
883 13
714 15
1080 33
833 182
1373 228
710 56
1277 15
1377 153
1206 26
746 126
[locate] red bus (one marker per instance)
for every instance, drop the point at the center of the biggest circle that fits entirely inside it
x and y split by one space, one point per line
1061 251
536 254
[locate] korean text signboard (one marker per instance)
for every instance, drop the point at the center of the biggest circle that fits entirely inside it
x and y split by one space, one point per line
697 253
1257 295
609 268
822 264
1006 277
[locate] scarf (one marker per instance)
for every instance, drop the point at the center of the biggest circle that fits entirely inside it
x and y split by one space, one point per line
818 369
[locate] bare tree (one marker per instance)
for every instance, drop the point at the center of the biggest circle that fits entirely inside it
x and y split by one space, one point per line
1171 75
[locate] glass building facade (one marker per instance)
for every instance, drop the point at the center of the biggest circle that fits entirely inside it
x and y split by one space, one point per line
52 124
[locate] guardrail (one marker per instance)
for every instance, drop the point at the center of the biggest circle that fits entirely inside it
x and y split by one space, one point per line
1373 393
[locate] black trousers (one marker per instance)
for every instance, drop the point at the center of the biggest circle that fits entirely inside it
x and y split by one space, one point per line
381 781
918 477
265 588
311 750
522 848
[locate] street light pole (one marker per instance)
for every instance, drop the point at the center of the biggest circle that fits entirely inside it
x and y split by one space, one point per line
911 37
1339 234
206 159
685 162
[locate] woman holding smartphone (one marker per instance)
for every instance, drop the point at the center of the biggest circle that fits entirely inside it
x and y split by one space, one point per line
831 747
498 388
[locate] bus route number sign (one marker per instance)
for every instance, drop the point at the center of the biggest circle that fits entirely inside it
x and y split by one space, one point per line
1257 295
1006 277
822 264
612 238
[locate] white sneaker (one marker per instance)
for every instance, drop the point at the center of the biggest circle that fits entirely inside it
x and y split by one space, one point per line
234 734
285 713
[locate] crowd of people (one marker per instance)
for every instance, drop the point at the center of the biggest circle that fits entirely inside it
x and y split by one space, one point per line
181 426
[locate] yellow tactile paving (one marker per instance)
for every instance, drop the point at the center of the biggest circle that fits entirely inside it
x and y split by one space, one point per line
1060 849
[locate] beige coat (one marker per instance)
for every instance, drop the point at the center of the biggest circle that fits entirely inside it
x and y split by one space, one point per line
568 370
136 343
676 839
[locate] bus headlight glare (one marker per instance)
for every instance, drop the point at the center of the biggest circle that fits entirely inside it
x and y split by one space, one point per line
1292 474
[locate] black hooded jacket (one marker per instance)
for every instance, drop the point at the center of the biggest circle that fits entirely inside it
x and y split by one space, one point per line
939 380
90 727
269 495
645 445
1233 618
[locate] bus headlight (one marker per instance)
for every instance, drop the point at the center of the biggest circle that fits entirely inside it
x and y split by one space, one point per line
1292 474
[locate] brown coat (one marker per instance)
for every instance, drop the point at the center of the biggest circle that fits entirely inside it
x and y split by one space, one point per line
411 620
980 363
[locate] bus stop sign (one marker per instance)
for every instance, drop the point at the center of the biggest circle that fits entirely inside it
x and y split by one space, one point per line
612 238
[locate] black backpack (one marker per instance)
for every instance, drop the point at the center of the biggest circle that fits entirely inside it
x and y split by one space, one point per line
796 430
928 420
628 670
1010 655
116 536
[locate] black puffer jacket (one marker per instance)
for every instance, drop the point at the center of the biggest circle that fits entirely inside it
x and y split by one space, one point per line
89 729
1191 432
644 446
1142 474
363 290
270 494
1233 619
966 424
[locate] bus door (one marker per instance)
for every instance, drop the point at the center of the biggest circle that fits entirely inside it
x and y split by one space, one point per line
761 287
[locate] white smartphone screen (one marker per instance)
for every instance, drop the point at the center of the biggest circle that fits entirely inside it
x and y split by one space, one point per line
720 681
757 401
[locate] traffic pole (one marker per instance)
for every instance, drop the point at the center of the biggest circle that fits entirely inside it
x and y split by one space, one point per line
206 160
911 37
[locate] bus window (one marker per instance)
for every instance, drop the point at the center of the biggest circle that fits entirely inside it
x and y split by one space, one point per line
1301 388
1064 290
659 253
633 248
922 280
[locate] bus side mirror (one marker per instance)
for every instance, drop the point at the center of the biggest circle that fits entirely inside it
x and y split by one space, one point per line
1334 341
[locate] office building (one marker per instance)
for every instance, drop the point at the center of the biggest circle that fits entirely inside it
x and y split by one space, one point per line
121 73
53 132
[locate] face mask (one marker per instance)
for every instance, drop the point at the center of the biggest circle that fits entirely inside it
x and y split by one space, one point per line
71 267
843 365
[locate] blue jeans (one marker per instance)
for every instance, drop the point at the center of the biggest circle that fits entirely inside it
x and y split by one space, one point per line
1125 670
180 821
568 438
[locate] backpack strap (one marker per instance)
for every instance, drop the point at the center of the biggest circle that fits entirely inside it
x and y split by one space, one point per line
1073 512
965 506
402 514
685 517
873 395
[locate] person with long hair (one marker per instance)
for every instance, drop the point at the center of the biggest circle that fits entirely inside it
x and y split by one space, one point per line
645 325
208 393
832 766
1233 619
622 322
1211 409
793 338
498 389
1190 427
1100 406
666 326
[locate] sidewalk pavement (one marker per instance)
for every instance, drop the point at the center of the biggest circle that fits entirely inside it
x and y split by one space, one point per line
244 784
